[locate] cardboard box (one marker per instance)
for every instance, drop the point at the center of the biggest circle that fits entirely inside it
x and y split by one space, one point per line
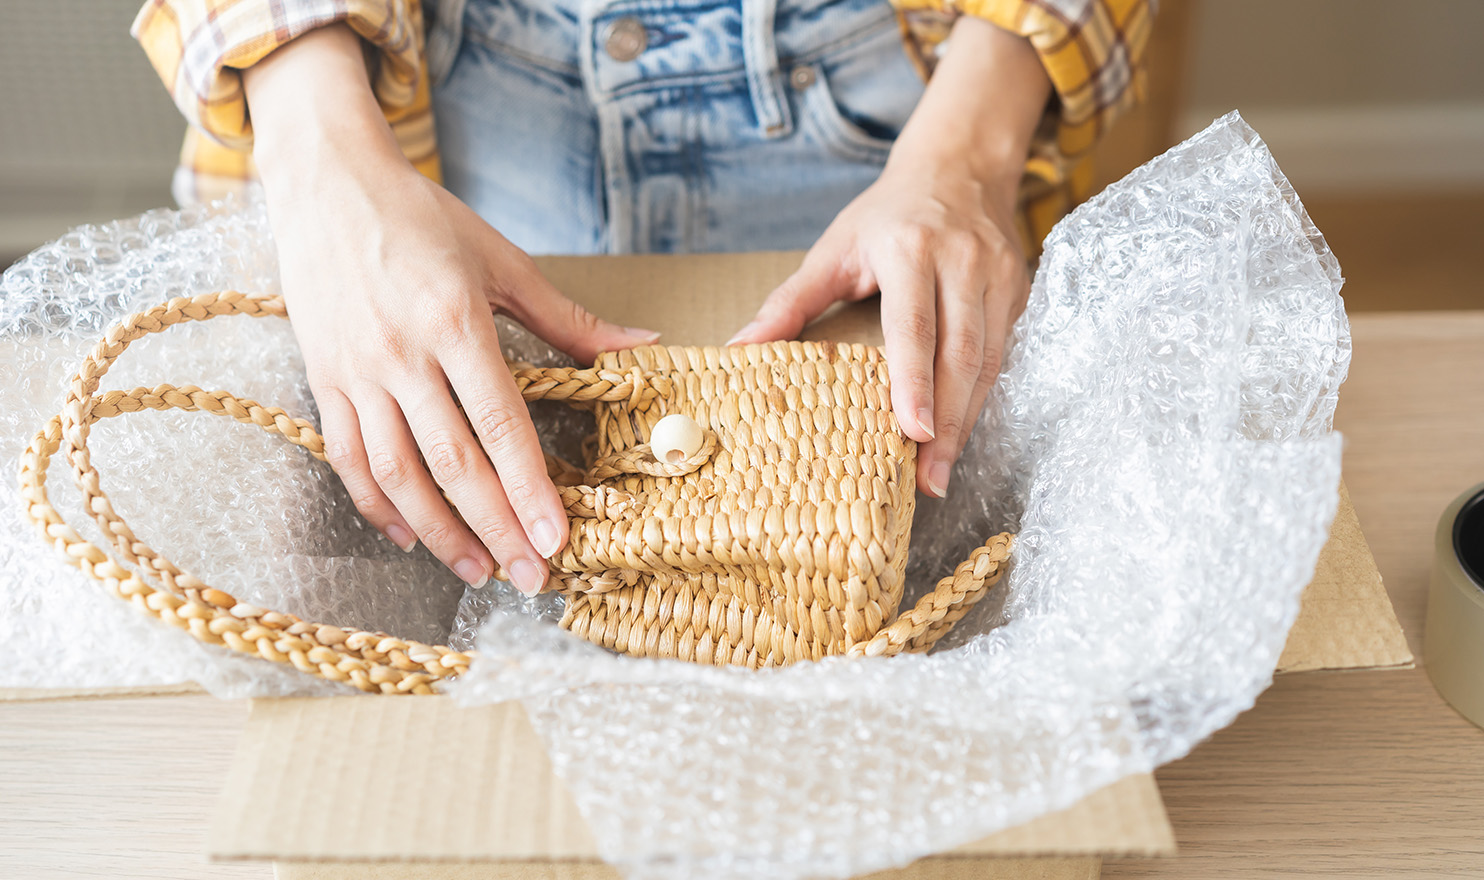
482 806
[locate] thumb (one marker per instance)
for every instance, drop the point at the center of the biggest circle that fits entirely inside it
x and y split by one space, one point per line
546 312
802 297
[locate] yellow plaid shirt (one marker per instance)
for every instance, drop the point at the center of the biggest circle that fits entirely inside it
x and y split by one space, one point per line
1092 50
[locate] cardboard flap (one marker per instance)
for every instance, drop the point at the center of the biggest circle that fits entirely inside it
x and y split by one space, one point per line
361 778
369 778
1126 818
1346 620
697 299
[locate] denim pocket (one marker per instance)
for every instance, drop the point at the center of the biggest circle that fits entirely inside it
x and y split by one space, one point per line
531 36
859 97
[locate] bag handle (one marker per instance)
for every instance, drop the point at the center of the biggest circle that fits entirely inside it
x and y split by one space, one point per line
374 662
918 630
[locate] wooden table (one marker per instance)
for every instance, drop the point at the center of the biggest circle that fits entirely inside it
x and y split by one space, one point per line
1359 774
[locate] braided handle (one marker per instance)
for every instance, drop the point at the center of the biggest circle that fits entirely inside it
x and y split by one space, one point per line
916 631
374 662
587 386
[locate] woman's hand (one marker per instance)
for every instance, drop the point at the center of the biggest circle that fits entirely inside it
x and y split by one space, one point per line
391 283
941 247
936 236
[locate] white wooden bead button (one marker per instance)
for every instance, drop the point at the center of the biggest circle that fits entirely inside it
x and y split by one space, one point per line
675 438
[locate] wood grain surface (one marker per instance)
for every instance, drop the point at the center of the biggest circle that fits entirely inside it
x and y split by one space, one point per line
1332 774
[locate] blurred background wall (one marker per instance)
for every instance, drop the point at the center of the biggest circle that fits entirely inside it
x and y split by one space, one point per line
1374 109
87 133
1354 95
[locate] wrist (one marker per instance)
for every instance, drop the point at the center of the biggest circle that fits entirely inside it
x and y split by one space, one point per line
304 159
996 163
962 123
299 131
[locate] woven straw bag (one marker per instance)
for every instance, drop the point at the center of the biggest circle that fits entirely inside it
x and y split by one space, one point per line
783 538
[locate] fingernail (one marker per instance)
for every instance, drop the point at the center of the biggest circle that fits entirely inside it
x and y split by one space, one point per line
742 334
471 573
641 334
544 536
925 422
526 576
401 537
938 478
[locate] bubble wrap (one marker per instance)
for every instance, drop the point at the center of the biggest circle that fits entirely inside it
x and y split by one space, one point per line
1160 441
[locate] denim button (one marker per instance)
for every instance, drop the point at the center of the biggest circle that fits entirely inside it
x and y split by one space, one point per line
801 77
625 39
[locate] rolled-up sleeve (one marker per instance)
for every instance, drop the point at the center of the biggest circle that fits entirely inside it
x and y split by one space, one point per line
1092 51
200 48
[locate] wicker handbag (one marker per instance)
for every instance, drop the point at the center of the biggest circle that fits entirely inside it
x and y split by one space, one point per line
783 538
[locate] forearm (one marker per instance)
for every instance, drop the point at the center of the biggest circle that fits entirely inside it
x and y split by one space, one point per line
312 105
981 108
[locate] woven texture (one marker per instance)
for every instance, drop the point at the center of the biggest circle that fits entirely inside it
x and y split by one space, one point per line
783 538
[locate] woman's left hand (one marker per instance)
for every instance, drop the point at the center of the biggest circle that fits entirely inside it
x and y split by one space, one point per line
935 234
941 247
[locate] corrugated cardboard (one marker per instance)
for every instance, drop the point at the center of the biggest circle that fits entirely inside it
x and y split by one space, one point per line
1346 620
301 786
475 785
466 794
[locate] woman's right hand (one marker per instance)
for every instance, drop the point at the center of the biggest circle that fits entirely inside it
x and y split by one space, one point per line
391 284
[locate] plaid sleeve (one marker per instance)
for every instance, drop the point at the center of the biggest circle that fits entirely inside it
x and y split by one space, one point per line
200 47
1092 51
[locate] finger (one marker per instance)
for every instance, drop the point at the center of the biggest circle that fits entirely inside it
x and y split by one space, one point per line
910 330
346 453
565 324
458 464
1018 303
1005 303
502 425
1001 307
803 296
997 323
395 465
958 366
1006 296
